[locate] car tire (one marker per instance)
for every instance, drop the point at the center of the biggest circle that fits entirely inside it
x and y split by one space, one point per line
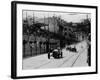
48 55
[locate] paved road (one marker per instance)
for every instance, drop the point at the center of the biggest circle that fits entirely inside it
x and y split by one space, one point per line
70 59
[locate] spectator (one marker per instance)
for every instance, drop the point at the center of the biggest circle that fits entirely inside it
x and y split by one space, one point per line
89 53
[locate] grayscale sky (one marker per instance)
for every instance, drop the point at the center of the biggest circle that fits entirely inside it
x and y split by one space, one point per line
68 16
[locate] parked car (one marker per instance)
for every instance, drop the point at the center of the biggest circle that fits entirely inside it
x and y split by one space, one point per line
56 53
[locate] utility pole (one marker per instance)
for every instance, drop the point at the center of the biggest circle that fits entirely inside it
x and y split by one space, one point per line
44 23
35 42
54 23
87 16
47 42
28 31
43 33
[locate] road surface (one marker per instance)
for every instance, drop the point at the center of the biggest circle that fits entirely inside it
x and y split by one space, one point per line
70 59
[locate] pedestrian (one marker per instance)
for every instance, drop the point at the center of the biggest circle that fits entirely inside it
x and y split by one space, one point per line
24 43
50 51
89 53
31 46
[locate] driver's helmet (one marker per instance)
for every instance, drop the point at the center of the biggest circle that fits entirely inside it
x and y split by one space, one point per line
58 48
55 50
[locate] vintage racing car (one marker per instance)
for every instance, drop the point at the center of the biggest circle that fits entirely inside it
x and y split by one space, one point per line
56 53
71 48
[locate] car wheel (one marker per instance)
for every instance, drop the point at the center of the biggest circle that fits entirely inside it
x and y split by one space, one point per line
48 55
